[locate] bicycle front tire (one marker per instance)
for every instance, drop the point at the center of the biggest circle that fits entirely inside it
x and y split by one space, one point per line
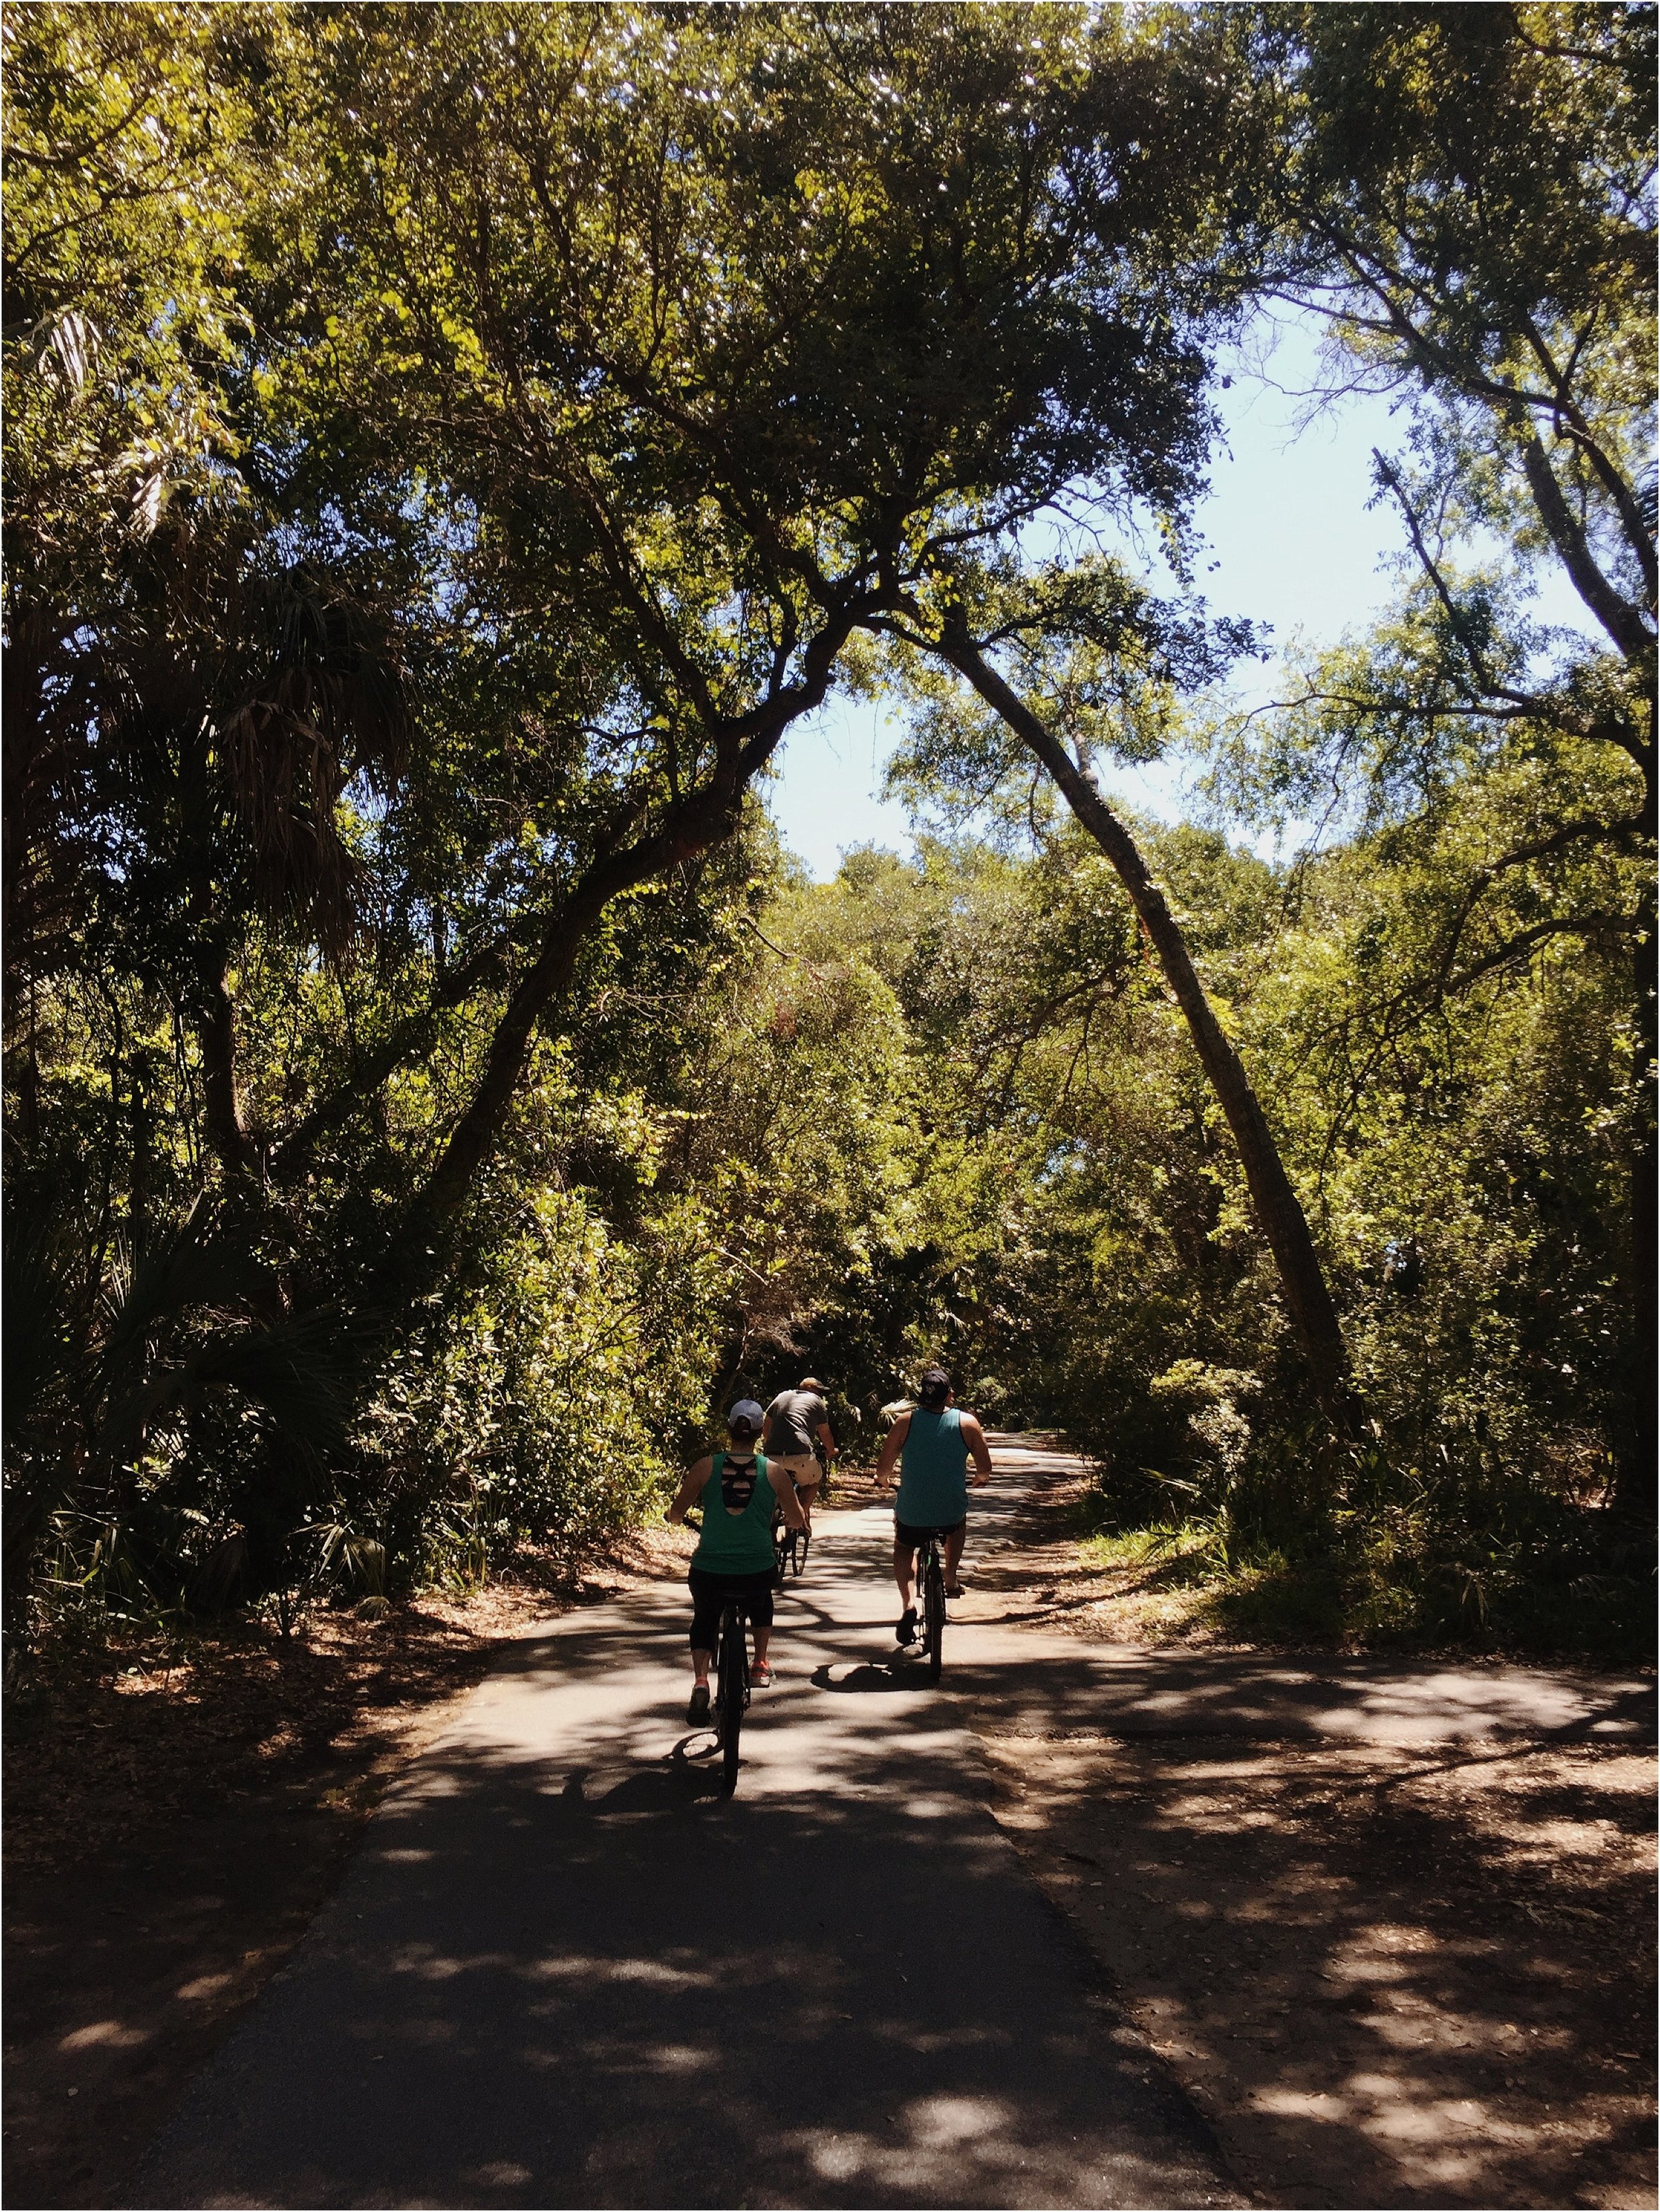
729 1677
933 1613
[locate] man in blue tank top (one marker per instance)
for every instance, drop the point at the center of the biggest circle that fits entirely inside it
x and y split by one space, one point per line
932 1445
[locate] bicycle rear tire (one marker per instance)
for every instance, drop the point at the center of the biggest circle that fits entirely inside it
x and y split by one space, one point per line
730 1686
800 1539
933 1613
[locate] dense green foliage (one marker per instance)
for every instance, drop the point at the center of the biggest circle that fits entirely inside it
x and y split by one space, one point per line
441 468
1090 1260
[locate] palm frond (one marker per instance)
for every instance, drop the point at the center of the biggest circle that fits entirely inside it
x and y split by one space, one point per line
328 701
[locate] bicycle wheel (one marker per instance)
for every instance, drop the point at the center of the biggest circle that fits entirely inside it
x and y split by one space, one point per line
800 1539
933 1611
730 1672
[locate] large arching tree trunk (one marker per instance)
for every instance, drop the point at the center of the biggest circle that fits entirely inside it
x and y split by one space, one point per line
1278 1209
700 818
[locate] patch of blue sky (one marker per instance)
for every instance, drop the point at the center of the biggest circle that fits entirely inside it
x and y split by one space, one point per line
1294 540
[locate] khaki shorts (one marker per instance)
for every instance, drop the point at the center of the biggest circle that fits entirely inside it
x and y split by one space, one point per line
802 1468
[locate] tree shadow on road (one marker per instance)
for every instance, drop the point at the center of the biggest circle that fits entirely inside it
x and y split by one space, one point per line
586 1980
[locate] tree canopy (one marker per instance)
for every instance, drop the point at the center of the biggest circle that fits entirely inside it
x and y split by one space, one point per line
448 449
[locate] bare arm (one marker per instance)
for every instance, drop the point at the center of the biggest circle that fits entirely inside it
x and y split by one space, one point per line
975 1437
690 1490
892 1445
827 1440
789 1505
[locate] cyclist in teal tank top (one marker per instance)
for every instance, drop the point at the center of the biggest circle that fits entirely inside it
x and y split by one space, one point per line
740 1491
932 1446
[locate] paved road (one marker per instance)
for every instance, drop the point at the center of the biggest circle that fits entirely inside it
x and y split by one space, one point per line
562 1971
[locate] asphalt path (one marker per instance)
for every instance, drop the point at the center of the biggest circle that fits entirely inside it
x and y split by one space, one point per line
563 1970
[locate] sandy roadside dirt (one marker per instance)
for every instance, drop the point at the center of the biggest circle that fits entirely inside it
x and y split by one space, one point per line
1387 1978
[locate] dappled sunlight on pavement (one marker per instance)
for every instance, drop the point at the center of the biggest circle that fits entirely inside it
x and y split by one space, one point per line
565 1970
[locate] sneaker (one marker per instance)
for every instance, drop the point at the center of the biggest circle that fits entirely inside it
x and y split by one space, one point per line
761 1675
956 1590
697 1712
906 1632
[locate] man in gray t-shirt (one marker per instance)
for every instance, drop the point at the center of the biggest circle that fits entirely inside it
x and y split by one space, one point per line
794 1419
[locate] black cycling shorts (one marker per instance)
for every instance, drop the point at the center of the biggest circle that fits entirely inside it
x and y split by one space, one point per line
915 1538
709 1593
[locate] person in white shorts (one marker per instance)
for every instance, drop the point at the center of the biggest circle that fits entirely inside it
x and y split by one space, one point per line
794 1419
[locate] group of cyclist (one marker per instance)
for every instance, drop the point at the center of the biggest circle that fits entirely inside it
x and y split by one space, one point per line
769 1472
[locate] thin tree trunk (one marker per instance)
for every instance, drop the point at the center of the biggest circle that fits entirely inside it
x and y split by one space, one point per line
215 1035
1629 625
474 1136
1278 1209
418 1248
1630 628
1636 1468
213 1017
1623 621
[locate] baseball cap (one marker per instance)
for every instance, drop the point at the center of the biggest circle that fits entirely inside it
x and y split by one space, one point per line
747 1413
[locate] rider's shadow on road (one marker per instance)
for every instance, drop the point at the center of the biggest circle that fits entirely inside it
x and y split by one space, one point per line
683 1779
871 1675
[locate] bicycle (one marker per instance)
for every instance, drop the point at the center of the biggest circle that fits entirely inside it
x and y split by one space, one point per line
731 1681
789 1550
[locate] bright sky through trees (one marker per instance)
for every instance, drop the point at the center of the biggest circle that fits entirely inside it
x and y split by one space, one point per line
1295 546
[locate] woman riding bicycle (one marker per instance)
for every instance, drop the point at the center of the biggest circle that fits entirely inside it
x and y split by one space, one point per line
935 1441
740 1492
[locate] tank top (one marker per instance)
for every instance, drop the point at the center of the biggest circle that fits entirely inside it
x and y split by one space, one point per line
934 1489
740 1543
